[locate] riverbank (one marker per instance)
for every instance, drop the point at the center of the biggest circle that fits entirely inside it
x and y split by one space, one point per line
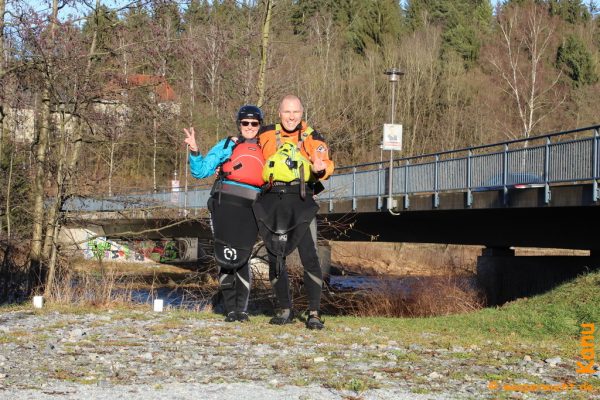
526 349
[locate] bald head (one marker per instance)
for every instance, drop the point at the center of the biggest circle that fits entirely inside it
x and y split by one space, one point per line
290 98
290 112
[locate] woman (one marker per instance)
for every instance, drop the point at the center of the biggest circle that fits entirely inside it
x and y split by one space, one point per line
238 162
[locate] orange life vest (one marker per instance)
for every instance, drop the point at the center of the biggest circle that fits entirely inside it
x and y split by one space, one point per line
245 165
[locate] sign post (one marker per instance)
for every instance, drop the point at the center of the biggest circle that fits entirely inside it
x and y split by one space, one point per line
392 134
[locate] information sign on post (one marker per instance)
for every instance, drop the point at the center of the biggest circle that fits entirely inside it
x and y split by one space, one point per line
392 137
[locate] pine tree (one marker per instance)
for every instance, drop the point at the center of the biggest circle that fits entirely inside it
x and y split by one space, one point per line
575 60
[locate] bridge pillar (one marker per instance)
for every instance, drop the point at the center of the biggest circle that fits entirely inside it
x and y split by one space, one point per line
505 277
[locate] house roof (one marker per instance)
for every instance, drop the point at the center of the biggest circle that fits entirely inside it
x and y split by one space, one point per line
162 90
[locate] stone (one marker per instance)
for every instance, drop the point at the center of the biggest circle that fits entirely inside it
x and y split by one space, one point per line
77 333
378 376
553 361
434 375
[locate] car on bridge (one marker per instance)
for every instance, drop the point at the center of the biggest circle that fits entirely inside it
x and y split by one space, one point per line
514 180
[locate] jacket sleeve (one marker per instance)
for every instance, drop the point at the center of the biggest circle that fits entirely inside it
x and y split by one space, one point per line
201 167
317 148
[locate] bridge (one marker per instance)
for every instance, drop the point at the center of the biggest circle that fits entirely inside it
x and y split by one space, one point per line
536 192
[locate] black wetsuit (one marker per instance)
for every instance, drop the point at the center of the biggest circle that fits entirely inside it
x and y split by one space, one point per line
286 221
234 226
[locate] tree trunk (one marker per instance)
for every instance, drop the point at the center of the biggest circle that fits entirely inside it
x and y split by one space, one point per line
8 187
51 217
2 8
64 180
111 165
264 51
35 252
154 141
66 169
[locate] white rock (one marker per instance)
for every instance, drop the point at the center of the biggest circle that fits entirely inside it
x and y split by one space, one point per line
553 361
77 332
378 376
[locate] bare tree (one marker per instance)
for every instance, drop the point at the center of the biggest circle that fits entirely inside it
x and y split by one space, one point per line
2 113
69 151
526 36
264 50
2 13
42 140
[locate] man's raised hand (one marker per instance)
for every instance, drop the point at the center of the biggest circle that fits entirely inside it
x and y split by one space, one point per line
318 165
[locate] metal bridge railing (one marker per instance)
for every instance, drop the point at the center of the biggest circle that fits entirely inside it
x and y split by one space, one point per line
556 158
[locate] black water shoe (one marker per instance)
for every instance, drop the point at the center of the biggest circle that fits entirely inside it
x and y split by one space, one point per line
242 316
314 321
282 317
231 316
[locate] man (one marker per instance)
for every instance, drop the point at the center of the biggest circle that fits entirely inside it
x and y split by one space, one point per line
286 212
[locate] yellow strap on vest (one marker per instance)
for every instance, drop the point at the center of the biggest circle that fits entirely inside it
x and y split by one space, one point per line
304 135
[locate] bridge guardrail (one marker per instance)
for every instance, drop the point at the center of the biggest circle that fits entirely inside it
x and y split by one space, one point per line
556 158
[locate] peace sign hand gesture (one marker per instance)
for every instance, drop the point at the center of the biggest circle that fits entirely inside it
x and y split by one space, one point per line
318 164
190 139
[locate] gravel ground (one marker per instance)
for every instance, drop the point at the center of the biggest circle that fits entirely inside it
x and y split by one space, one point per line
137 354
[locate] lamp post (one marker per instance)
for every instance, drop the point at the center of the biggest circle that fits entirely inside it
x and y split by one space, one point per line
393 77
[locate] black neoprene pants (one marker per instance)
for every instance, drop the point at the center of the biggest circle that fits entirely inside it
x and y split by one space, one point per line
313 276
235 231
235 288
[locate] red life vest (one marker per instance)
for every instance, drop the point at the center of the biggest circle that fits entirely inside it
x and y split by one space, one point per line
245 165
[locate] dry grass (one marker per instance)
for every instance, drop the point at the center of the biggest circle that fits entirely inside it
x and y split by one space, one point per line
90 288
414 259
102 284
425 297
404 259
443 295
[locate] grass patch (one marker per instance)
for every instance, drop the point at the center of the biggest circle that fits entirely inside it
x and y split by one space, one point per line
551 317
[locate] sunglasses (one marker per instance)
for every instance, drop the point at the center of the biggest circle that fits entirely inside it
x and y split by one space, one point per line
252 123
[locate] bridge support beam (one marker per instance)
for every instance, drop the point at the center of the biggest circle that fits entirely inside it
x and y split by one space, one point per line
505 277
